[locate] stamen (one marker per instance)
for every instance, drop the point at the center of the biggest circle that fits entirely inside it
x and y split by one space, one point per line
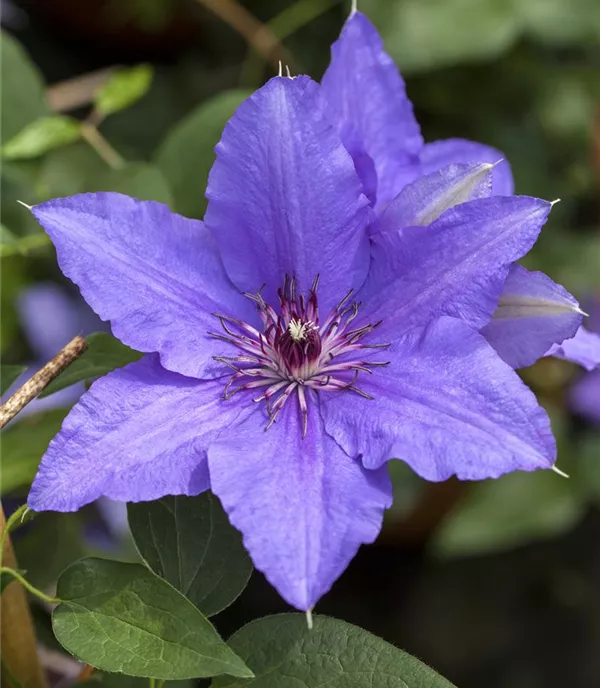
293 353
303 409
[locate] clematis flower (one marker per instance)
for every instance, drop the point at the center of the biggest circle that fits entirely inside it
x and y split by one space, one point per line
291 349
367 101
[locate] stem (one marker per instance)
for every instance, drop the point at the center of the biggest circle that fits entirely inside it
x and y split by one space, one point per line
257 34
7 674
27 585
21 511
19 653
110 156
77 92
283 25
41 379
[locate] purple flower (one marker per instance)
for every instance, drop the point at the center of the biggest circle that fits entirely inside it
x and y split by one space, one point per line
366 98
293 347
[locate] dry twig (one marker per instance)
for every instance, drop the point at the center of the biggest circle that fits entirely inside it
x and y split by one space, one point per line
41 379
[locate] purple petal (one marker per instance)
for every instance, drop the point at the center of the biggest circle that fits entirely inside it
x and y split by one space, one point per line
440 153
139 433
585 396
367 99
303 505
155 275
421 202
457 267
447 404
583 348
533 313
284 198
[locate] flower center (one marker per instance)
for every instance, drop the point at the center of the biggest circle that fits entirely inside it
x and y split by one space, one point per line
295 352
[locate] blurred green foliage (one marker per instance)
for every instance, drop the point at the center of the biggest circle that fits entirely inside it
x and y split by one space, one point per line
520 75
428 34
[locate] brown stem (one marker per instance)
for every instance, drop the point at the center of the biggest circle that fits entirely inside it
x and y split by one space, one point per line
41 379
101 146
17 636
77 92
257 34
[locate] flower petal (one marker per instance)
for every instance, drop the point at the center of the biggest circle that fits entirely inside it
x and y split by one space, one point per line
155 275
440 153
457 267
585 396
533 313
284 198
421 202
139 433
367 99
583 348
447 404
303 505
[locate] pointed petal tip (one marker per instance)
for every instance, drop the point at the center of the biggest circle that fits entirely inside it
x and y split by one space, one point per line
559 472
491 165
554 202
29 207
309 619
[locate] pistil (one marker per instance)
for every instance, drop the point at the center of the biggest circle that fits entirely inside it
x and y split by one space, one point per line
293 353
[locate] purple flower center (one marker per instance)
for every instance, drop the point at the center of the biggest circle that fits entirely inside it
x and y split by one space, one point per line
295 352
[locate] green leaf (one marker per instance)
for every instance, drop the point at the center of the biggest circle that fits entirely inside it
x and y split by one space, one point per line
48 547
23 445
123 89
587 465
561 21
283 652
424 35
8 374
12 245
9 245
139 180
22 88
107 680
13 279
189 542
104 353
186 155
509 511
68 171
122 618
41 136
